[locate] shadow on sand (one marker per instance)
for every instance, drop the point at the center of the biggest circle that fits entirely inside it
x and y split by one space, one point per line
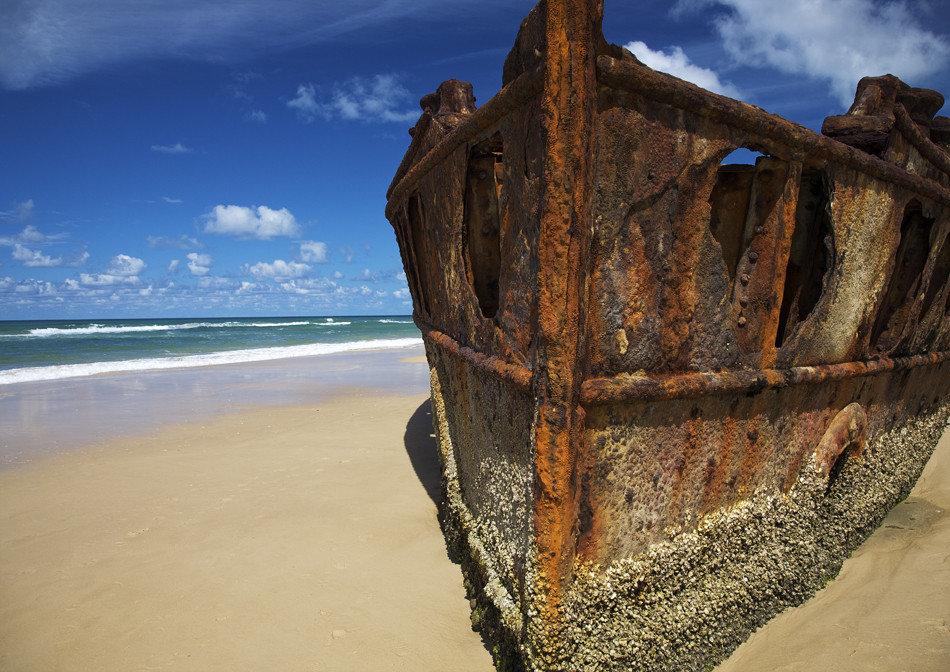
423 453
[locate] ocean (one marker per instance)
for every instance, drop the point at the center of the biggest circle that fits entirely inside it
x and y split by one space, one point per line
56 349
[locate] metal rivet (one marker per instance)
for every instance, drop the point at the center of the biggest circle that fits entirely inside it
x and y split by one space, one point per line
741 321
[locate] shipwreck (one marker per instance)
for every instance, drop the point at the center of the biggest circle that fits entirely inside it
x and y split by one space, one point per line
670 395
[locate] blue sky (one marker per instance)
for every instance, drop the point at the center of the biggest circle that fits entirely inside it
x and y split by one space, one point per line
166 158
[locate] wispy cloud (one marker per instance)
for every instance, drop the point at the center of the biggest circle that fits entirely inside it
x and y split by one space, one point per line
183 242
379 98
261 222
20 213
177 148
44 42
258 116
676 63
168 199
838 41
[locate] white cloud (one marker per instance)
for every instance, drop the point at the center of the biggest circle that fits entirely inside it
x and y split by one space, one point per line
177 148
337 275
168 199
401 294
199 264
314 252
30 235
106 280
368 276
378 98
257 115
20 213
263 223
676 63
839 41
210 282
34 258
278 270
126 266
173 265
183 242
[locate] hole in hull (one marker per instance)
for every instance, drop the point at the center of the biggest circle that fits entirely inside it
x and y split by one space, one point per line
482 222
904 282
808 258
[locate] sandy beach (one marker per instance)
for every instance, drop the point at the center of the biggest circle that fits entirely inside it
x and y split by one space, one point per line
283 517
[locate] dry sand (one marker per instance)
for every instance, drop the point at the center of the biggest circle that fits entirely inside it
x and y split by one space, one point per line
300 538
305 538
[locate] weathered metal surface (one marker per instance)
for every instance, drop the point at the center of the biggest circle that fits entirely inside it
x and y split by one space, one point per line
671 395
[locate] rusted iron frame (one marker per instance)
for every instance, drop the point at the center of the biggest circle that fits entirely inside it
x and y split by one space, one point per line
768 128
513 96
597 391
912 132
519 377
625 387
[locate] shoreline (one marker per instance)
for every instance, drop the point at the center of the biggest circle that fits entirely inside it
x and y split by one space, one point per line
293 526
44 417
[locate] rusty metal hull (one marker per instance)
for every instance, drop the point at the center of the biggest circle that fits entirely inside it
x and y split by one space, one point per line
670 395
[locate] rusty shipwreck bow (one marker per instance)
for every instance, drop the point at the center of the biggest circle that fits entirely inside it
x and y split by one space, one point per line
670 395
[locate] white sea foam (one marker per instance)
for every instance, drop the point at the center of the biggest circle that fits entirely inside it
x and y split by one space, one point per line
40 373
139 328
384 321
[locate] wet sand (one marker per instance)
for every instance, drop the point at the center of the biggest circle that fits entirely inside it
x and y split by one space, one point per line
287 521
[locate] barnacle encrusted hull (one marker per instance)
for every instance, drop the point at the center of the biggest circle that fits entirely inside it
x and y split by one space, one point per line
670 395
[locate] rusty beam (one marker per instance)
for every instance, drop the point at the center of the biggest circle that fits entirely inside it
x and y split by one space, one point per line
519 377
666 89
513 96
626 387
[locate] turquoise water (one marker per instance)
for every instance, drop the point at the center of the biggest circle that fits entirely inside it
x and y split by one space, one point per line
54 349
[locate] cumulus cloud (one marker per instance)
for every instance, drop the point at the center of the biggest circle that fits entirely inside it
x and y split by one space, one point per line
278 270
838 41
262 222
34 258
199 264
177 148
402 294
314 252
106 280
257 115
676 63
173 265
125 266
378 98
